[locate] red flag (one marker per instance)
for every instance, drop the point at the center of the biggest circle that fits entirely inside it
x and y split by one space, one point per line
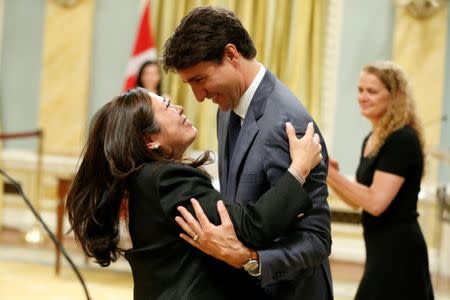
144 48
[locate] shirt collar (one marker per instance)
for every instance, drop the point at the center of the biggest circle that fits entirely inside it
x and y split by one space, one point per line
244 103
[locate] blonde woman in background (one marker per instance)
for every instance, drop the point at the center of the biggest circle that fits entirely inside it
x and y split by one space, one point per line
388 183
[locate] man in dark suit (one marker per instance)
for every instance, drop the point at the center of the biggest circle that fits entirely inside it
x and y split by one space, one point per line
214 54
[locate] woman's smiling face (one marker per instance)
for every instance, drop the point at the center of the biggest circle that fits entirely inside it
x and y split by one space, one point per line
373 96
176 131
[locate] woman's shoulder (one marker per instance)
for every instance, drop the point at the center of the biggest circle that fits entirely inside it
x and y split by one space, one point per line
403 135
404 141
166 178
158 170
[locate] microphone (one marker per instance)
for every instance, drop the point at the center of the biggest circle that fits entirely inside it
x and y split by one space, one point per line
57 243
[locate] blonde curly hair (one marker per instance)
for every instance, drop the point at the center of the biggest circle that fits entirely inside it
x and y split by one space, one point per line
401 110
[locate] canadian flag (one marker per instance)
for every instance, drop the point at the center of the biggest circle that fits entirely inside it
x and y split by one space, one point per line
144 48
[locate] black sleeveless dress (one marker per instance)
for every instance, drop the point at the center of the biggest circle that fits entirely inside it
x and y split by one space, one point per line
396 253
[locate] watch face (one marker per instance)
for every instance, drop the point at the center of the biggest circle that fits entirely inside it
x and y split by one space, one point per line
251 266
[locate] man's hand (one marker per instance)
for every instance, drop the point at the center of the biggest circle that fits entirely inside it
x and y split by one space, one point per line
219 241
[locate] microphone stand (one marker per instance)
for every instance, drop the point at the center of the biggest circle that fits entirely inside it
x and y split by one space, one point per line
57 243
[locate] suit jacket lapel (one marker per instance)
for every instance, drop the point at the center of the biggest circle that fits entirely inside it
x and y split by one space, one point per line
247 134
229 175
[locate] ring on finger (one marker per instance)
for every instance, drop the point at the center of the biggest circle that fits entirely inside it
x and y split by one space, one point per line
196 237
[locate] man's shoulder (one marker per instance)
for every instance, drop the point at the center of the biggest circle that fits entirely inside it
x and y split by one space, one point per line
283 105
281 96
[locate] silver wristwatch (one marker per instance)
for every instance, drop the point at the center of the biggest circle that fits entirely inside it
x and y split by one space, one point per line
252 265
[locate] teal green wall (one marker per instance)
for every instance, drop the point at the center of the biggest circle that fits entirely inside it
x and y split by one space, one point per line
366 36
20 74
20 71
114 34
444 170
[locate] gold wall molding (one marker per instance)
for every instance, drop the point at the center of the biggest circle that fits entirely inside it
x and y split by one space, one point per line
2 4
333 31
67 3
65 76
420 48
420 9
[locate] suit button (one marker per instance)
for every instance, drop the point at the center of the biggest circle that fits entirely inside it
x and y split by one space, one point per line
278 275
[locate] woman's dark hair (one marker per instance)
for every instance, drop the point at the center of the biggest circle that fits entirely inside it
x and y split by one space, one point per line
202 36
139 82
114 150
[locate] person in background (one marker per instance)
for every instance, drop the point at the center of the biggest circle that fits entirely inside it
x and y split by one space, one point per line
135 146
387 187
213 53
149 77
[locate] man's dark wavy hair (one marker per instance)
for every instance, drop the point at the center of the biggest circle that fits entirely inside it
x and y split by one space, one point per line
202 36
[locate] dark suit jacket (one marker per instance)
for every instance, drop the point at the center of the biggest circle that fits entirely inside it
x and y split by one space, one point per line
294 266
166 267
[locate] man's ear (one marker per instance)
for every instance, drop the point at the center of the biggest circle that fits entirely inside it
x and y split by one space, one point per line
230 52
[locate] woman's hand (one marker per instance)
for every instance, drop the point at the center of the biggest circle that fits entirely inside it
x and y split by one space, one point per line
306 151
333 172
333 164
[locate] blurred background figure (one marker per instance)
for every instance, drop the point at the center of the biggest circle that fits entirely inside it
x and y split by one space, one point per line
387 186
149 77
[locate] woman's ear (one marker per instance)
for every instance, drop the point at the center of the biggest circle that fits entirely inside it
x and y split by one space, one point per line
151 144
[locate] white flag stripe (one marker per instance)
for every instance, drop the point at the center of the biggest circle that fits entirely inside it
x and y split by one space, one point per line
136 61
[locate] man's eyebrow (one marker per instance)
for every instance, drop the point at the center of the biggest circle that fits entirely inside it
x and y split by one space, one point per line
189 80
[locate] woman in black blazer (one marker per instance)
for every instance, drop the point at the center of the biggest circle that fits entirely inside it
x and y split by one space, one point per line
135 151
